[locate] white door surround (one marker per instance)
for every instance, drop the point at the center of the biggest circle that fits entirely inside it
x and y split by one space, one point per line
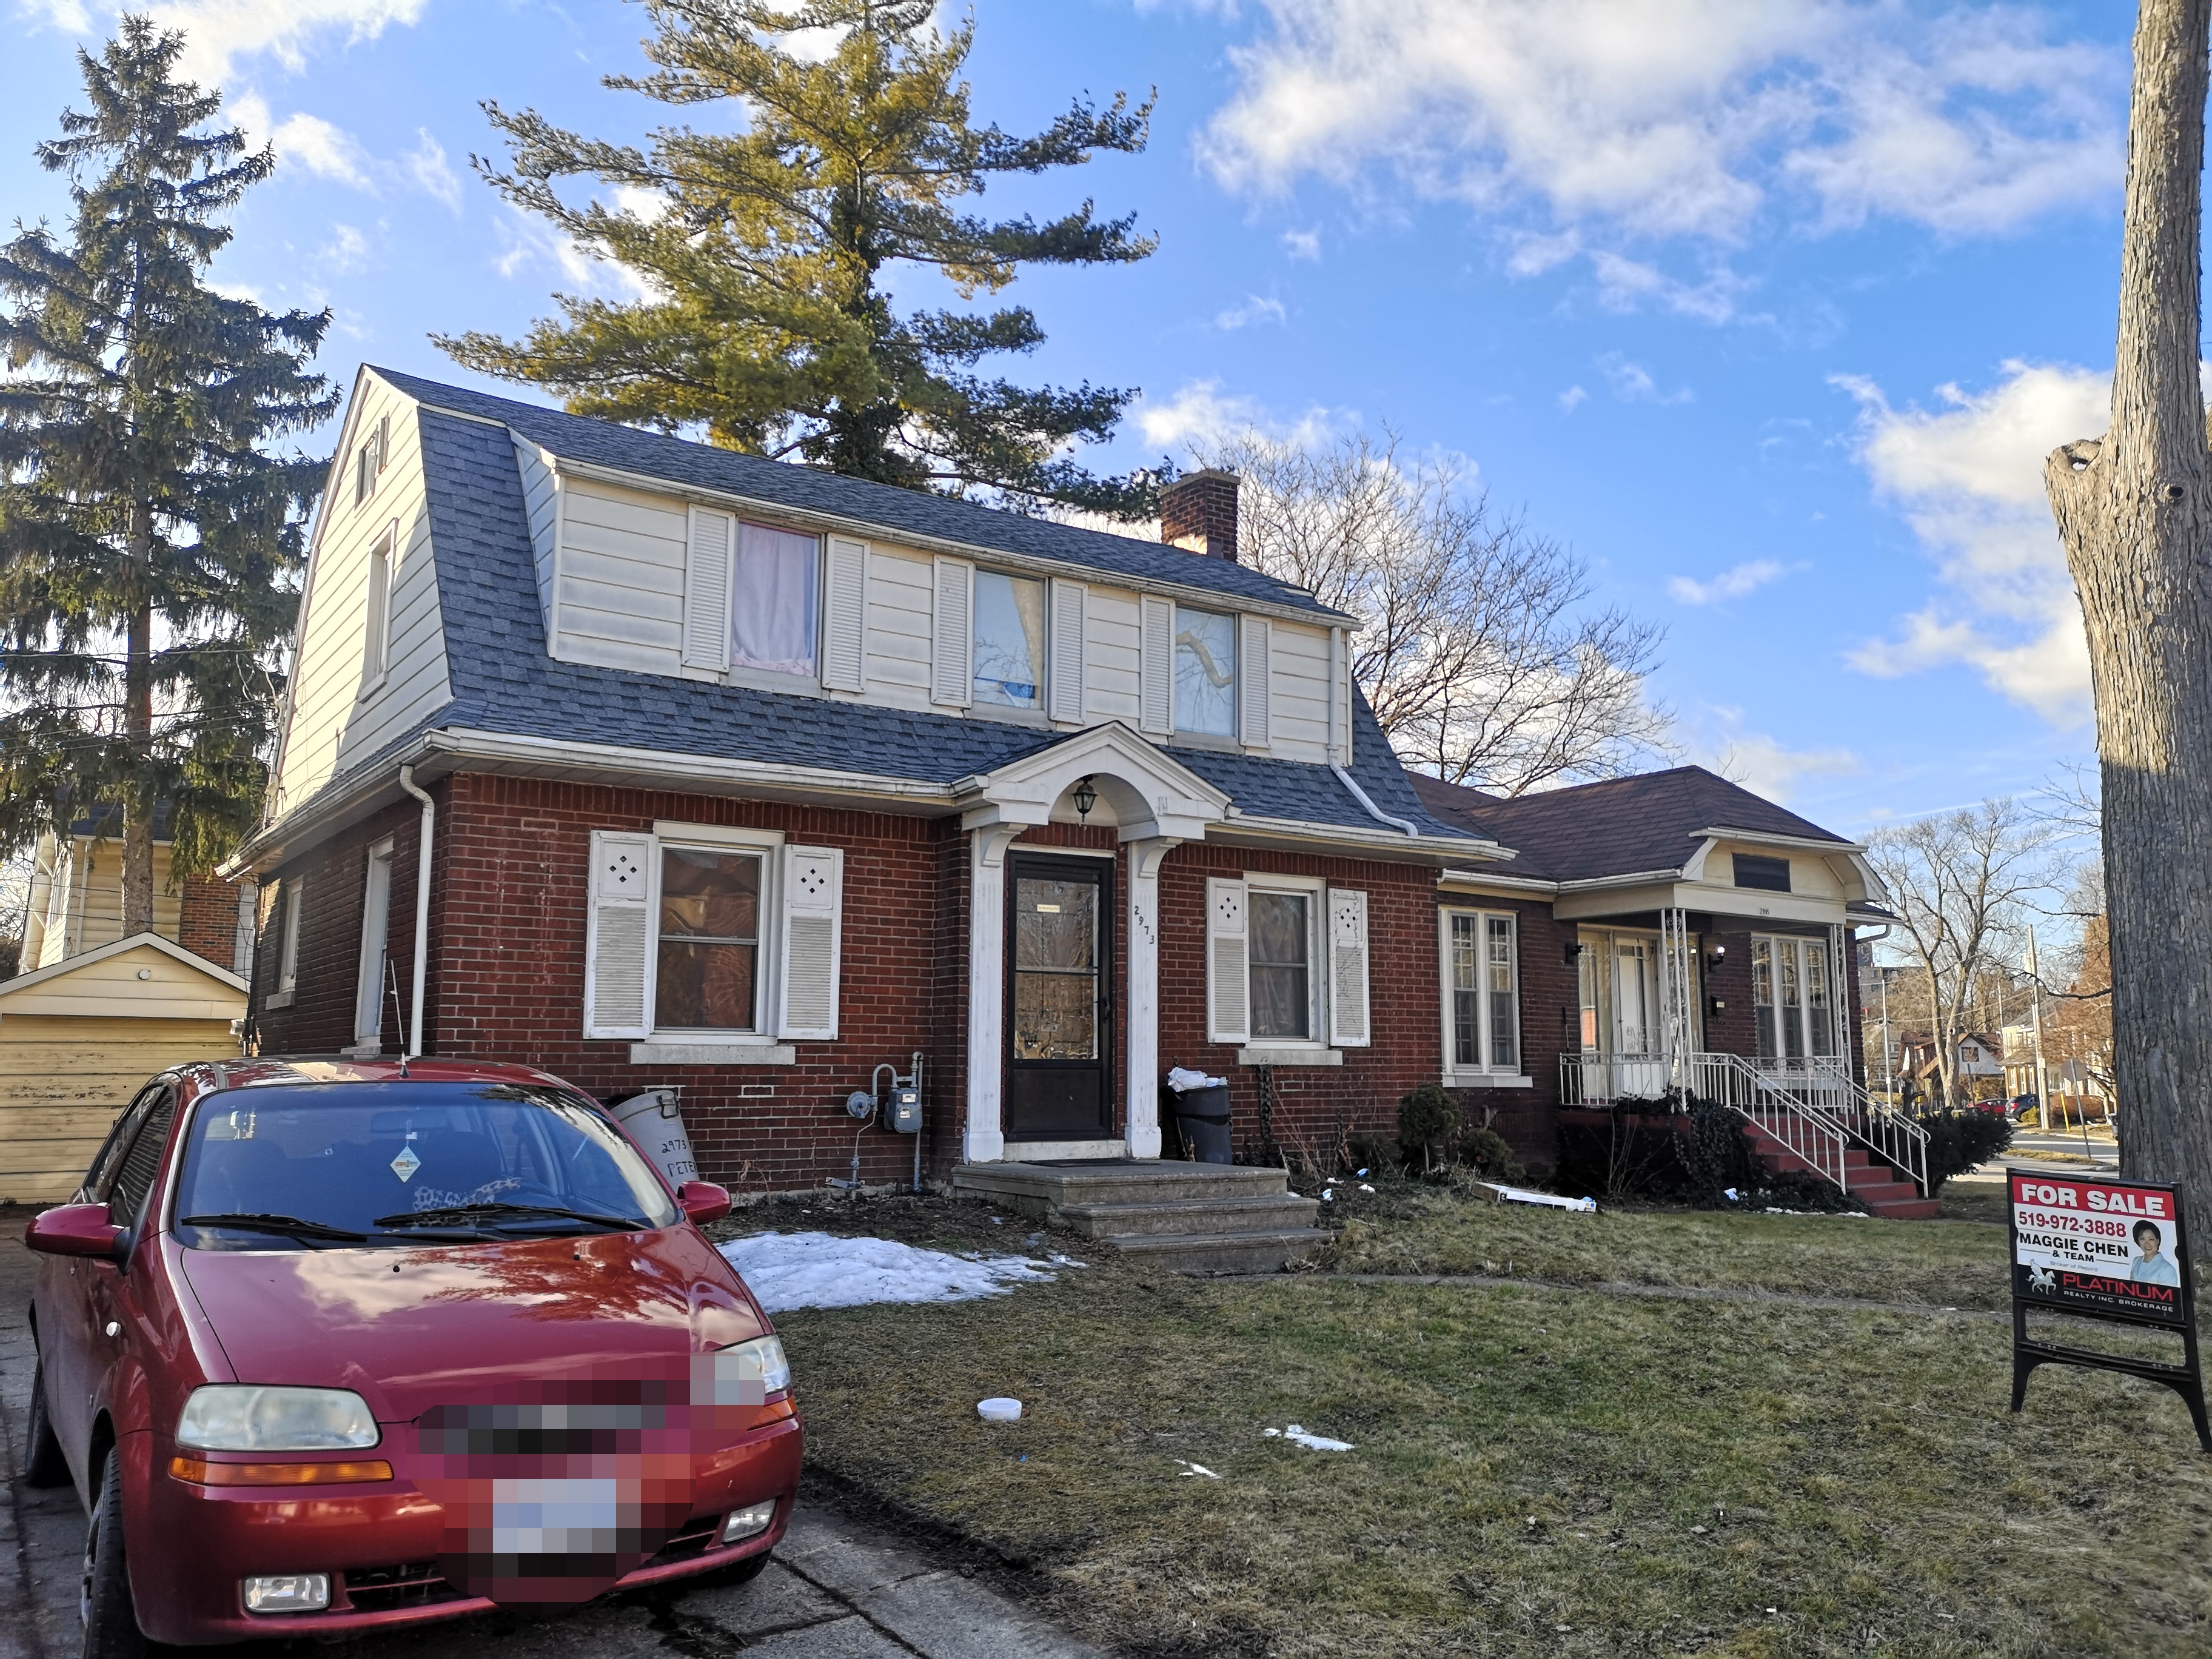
1156 805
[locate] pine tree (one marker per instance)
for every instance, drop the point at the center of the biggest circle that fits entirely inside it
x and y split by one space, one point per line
763 251
146 540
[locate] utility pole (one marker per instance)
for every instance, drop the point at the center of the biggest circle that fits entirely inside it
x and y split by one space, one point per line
2035 1019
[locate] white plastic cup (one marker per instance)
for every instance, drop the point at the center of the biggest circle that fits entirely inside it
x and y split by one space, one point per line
999 1410
655 1122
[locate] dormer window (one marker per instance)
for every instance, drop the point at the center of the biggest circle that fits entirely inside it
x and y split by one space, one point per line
1205 673
1768 875
368 461
1010 650
772 614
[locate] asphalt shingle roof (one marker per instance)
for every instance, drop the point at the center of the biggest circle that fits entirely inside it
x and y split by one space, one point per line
1619 827
504 680
654 454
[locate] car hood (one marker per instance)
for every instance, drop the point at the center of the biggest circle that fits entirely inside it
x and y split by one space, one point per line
409 1328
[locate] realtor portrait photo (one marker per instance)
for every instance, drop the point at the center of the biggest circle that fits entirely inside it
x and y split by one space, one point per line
2153 1266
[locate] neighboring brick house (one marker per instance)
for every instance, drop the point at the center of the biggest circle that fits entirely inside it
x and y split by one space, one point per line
746 778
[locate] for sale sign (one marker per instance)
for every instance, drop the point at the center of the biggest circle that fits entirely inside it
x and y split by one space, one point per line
2098 1247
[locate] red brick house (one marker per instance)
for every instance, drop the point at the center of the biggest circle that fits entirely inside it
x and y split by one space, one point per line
743 778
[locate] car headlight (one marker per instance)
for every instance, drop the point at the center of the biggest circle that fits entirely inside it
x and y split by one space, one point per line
746 1373
243 1417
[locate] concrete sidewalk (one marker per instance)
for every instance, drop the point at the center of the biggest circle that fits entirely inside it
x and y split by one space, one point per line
835 1590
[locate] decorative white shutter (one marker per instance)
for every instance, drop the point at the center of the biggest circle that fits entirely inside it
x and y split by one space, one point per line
617 935
706 578
952 635
1228 992
845 617
1255 677
1347 968
1156 664
813 918
1067 649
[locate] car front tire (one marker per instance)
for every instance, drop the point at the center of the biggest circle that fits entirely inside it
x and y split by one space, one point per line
44 1464
111 1623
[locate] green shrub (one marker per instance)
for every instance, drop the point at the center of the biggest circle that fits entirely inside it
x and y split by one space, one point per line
1960 1141
1378 1154
1485 1152
1425 1116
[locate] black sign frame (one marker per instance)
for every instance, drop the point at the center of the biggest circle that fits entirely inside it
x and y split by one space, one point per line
2186 1379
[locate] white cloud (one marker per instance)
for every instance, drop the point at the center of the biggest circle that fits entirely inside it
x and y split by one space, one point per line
328 151
1256 308
1572 400
425 164
1632 382
1761 763
68 15
1303 244
531 243
347 251
1576 124
1734 583
1968 476
1202 413
219 32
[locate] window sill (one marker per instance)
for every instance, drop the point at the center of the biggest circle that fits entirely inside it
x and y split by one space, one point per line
662 1051
1010 715
1302 1054
1220 746
1486 1080
368 690
280 1000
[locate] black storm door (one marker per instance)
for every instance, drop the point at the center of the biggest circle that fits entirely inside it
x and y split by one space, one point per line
1059 998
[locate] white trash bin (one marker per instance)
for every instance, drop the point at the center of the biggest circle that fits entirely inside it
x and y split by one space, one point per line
655 1122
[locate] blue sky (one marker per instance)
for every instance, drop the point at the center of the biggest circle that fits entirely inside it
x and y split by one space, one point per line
1769 308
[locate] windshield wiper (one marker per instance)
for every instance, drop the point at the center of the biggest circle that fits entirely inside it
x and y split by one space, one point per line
291 1224
497 1212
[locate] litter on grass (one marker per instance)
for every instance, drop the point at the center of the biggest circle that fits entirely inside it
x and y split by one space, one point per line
999 1409
1859 1215
1523 1195
1311 1442
1198 1468
819 1270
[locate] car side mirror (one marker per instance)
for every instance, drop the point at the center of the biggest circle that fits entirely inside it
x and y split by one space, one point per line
85 1230
703 1201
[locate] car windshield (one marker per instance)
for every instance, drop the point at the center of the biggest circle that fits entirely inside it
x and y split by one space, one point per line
329 1165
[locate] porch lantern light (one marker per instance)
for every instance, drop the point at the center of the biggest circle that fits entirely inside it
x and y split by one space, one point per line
1085 798
1571 952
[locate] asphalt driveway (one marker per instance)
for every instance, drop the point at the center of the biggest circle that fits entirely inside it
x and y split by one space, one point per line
835 1590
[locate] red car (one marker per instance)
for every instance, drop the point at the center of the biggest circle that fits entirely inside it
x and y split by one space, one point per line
329 1345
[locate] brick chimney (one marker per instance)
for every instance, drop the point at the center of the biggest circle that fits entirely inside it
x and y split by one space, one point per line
1198 513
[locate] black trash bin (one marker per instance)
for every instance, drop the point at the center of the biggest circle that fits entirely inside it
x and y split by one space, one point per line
1201 1117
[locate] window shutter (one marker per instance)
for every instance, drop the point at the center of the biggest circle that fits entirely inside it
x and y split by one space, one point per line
845 617
813 914
1254 675
706 568
1067 606
617 935
1347 968
1156 664
951 649
1227 992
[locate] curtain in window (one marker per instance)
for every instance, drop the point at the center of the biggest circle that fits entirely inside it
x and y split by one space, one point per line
1009 640
1205 673
1282 1002
772 608
709 941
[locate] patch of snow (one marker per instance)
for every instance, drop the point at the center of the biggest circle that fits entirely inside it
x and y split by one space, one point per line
1859 1215
1298 1436
819 1270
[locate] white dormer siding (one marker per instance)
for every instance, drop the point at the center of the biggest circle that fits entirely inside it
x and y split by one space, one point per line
340 708
541 497
619 585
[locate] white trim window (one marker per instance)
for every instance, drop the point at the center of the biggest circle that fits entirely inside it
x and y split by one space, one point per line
1792 1004
376 625
291 900
1481 974
1287 964
1204 672
1008 661
706 935
368 460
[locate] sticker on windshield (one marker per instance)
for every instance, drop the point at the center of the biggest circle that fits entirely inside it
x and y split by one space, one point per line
406 1163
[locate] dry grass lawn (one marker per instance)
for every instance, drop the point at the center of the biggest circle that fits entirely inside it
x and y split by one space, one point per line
1557 1471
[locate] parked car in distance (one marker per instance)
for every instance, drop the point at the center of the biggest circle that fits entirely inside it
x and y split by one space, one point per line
327 1345
2020 1106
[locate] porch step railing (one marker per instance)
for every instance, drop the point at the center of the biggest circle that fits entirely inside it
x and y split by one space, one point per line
1883 1130
1798 1125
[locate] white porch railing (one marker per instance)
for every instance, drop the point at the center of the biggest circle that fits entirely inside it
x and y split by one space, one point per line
1813 1109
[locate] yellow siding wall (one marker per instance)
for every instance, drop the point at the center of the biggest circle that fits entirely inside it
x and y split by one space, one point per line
62 1079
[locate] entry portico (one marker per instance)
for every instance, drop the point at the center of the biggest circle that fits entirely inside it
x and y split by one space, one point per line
1154 805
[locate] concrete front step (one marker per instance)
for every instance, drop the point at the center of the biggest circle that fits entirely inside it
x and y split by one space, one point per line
1222 1253
1256 1212
1186 1217
1039 1189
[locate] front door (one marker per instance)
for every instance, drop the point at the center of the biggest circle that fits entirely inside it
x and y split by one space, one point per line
1059 998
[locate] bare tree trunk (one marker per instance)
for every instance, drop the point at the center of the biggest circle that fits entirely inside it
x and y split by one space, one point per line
2135 514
